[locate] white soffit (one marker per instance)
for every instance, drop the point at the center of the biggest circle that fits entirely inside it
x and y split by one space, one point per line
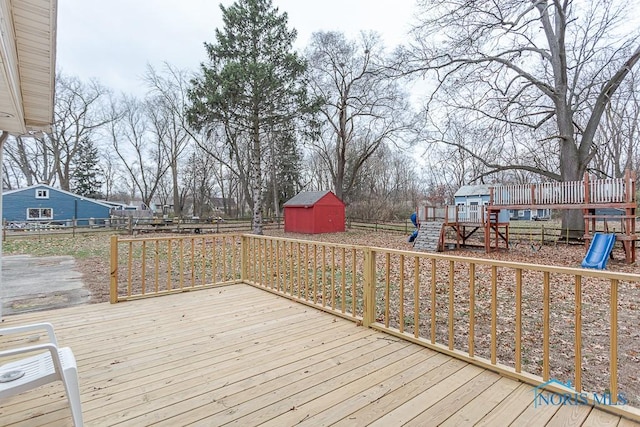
27 64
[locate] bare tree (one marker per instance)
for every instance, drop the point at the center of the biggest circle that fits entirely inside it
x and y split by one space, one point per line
361 108
30 161
139 146
316 177
79 114
111 172
169 89
222 141
11 176
546 68
50 158
388 186
199 180
617 138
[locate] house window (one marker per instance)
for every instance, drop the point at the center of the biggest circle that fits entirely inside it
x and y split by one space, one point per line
521 213
42 193
39 213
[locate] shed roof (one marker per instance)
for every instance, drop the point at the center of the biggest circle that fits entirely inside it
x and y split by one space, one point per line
473 190
306 198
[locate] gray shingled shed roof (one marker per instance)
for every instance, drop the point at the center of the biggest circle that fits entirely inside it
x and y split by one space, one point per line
306 198
473 190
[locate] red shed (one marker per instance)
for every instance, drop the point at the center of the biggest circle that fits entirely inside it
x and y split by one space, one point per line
314 212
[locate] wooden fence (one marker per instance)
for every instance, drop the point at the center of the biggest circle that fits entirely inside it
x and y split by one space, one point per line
526 321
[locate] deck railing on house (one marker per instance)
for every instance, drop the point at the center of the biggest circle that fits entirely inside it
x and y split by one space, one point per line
531 322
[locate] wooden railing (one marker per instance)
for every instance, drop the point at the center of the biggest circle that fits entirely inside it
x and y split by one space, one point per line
526 321
330 277
459 213
608 191
470 213
596 191
164 265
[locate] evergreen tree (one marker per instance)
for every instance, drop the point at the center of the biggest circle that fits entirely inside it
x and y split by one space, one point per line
86 173
252 84
284 176
288 168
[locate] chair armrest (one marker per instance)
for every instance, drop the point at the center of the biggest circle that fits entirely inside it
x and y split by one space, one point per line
55 356
33 327
21 350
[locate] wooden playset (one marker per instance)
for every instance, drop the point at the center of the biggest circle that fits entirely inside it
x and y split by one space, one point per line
605 200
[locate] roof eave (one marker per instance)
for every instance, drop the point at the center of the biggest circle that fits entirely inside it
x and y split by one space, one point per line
28 36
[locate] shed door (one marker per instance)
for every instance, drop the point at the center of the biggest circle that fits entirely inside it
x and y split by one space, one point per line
332 221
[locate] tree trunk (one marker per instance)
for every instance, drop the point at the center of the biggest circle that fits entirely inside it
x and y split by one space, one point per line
572 168
274 182
341 147
256 178
177 202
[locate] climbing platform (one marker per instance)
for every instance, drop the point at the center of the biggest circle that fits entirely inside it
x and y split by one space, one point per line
430 237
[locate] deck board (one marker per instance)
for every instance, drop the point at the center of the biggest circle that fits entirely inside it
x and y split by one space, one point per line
482 404
536 416
569 416
237 355
454 401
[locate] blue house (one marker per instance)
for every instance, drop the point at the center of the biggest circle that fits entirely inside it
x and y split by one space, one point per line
43 203
609 212
530 214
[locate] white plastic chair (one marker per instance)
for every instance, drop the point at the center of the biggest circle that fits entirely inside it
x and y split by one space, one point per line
51 363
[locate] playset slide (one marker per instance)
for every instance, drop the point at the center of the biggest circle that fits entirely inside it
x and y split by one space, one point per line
599 251
414 220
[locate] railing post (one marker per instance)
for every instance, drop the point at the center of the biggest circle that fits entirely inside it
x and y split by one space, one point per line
628 186
244 251
113 284
369 297
533 194
613 342
587 188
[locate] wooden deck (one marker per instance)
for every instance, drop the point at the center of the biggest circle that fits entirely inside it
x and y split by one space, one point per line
237 355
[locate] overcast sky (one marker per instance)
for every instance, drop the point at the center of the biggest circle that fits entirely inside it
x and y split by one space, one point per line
113 40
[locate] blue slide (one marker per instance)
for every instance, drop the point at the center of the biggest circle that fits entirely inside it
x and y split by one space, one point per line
414 220
599 251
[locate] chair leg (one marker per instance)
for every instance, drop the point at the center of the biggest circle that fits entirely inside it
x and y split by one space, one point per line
70 379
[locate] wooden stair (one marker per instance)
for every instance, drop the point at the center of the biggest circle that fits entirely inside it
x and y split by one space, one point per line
430 237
